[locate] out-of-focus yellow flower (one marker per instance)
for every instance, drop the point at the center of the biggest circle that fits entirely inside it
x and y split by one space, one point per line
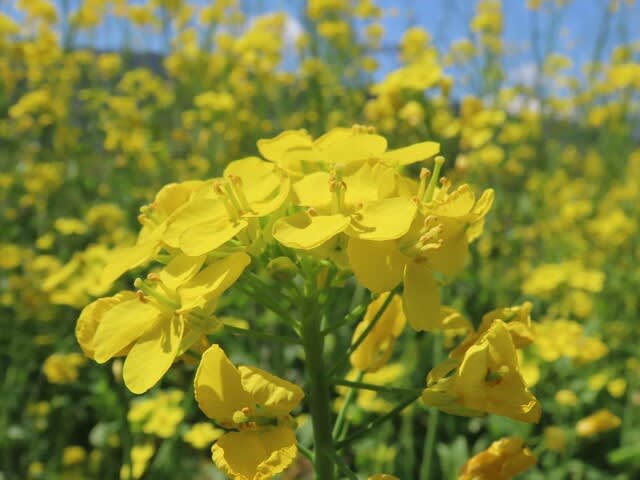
565 338
36 469
73 454
598 422
62 368
503 460
140 456
202 435
617 387
70 226
555 439
377 347
597 381
383 476
566 397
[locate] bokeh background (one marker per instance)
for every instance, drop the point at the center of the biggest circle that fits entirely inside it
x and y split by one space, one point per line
104 101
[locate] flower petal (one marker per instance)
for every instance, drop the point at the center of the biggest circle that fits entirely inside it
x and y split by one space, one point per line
213 280
276 396
411 154
152 355
90 319
273 148
255 454
377 265
180 269
421 297
218 387
201 209
127 258
386 219
206 237
313 190
306 232
121 325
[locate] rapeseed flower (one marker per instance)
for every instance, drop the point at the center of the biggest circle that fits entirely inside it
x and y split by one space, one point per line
254 406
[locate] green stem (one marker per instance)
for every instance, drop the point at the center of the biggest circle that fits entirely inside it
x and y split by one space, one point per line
306 452
378 388
429 446
432 425
348 318
345 358
342 465
342 415
369 426
318 384
261 335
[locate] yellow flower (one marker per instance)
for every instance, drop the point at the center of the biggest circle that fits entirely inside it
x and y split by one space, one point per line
436 242
503 460
140 456
201 435
555 439
155 218
487 379
62 368
359 204
255 406
517 320
600 421
617 387
375 350
73 455
224 208
566 397
70 226
155 327
383 476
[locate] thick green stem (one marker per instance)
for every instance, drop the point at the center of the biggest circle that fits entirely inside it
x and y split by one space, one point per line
432 425
319 401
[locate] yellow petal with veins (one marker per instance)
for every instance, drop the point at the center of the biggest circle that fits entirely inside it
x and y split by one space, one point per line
218 387
153 354
275 396
378 266
421 297
306 232
123 324
255 454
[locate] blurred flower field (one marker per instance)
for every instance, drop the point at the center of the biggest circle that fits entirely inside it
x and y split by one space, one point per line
267 252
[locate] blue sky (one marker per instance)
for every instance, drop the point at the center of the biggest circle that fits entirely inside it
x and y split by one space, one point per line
576 26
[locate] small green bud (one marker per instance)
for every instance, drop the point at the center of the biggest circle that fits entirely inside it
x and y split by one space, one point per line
282 269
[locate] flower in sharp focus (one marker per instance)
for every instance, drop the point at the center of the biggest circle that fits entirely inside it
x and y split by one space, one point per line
254 406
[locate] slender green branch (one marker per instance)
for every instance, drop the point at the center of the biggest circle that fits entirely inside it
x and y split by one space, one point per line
348 318
342 465
274 307
378 388
262 336
376 422
342 415
305 452
352 348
